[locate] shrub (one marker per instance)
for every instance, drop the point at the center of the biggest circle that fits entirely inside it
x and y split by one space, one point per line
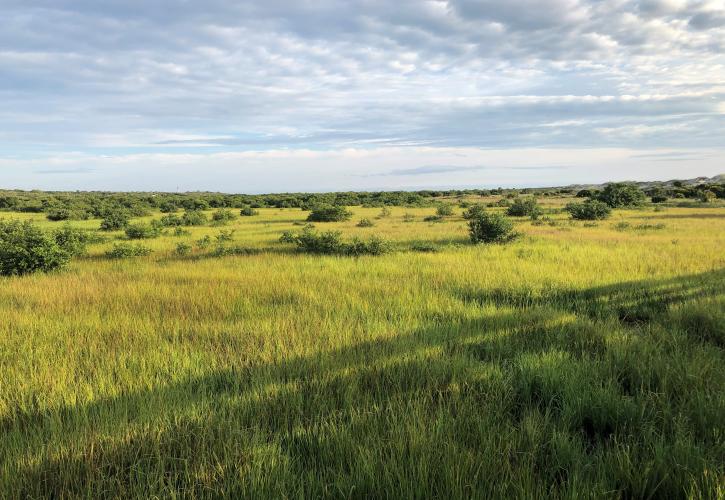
204 242
248 212
329 214
423 246
706 196
141 231
25 248
365 223
194 218
584 193
225 236
171 220
621 195
658 198
589 210
183 249
432 218
168 207
71 240
490 228
123 250
385 212
58 214
474 211
330 242
525 208
115 220
222 216
180 232
444 210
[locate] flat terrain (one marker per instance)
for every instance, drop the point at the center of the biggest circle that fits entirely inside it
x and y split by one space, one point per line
581 360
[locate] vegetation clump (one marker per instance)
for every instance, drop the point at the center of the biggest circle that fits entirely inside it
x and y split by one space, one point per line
490 228
589 210
142 231
365 223
222 216
525 207
115 220
621 195
330 242
474 211
444 210
329 213
248 212
183 249
123 250
25 248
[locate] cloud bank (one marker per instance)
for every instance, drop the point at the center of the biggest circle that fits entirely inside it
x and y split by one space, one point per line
87 86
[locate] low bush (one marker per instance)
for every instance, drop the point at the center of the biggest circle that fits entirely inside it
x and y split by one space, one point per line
114 221
589 210
25 248
72 240
490 228
141 231
123 250
178 232
424 246
365 223
329 213
248 212
183 249
224 236
525 207
58 214
204 242
194 218
659 198
444 210
222 216
385 212
433 218
331 243
621 195
474 211
171 220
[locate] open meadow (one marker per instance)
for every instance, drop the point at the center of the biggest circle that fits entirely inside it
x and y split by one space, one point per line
581 359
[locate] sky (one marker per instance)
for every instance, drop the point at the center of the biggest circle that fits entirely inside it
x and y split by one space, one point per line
323 95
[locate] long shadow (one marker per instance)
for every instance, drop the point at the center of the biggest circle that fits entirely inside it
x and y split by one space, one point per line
631 302
353 386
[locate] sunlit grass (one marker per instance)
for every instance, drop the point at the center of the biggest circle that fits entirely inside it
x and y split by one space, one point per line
576 361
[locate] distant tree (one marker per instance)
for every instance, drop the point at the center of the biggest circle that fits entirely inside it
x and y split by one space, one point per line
525 207
248 212
329 214
621 195
584 193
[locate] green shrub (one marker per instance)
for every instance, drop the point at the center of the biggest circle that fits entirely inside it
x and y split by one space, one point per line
123 250
490 228
204 242
183 249
141 231
72 240
525 207
424 246
621 195
589 210
329 213
222 216
171 220
584 193
330 242
432 218
194 218
706 196
225 236
658 198
444 210
25 248
248 212
114 220
365 223
385 212
474 211
180 232
58 214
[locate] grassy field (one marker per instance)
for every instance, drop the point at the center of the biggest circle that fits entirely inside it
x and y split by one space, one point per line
581 360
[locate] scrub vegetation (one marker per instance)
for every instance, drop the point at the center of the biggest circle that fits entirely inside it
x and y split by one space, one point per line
147 352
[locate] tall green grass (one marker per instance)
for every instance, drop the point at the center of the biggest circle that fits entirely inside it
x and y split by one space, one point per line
577 361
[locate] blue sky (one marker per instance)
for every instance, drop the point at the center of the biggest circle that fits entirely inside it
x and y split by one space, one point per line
251 96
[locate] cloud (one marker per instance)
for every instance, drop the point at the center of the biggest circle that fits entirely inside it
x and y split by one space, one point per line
176 77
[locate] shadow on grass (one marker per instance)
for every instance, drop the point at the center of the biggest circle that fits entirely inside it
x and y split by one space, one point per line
398 416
